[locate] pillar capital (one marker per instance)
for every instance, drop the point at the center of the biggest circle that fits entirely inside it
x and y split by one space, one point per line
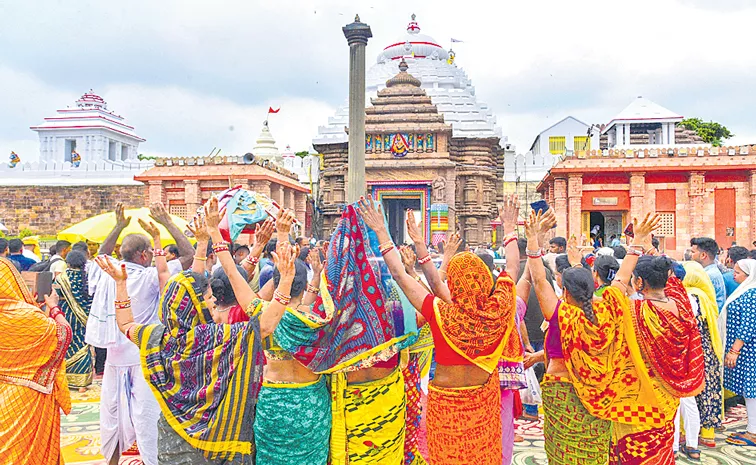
357 32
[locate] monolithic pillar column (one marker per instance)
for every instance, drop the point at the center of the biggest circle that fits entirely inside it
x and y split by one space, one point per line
637 196
560 205
575 204
696 192
357 35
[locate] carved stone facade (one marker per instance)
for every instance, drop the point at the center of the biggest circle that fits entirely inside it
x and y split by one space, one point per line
412 161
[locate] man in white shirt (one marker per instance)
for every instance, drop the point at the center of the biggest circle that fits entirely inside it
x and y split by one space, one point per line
58 261
128 410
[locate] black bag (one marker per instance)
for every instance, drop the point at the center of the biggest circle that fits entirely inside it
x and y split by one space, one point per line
44 265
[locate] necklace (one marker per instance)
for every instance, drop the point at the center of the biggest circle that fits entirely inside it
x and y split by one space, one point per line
663 300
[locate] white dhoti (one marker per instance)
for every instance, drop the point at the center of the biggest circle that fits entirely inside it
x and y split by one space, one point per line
691 418
128 413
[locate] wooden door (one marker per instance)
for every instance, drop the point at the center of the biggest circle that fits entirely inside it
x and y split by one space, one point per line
724 217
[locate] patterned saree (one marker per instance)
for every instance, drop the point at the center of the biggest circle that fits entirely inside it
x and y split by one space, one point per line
205 376
33 388
464 424
75 303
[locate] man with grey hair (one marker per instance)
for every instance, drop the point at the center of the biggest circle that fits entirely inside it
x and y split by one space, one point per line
128 410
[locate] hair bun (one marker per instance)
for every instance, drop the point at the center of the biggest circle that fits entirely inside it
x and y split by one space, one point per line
662 263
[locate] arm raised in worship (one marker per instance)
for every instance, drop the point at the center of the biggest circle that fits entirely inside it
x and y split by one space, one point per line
203 238
508 216
546 296
435 282
262 235
108 245
643 232
124 315
185 249
266 292
161 263
409 259
244 294
284 259
373 217
313 288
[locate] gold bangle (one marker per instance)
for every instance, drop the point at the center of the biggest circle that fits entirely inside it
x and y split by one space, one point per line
202 259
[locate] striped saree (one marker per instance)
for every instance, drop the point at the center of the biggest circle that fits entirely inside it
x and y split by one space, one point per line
75 303
205 376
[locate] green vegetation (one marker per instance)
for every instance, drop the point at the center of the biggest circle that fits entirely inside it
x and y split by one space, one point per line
711 132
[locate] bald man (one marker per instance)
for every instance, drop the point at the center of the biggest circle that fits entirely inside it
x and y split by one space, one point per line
128 410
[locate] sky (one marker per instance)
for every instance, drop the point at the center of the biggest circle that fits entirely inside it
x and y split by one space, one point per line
191 76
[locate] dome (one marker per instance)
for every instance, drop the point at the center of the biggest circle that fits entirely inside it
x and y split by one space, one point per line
266 144
413 44
91 100
403 78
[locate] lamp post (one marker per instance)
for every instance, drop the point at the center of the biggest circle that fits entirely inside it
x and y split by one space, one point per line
357 35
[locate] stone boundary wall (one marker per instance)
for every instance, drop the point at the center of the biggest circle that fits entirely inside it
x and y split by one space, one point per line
46 210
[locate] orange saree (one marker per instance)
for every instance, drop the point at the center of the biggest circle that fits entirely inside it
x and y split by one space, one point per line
33 386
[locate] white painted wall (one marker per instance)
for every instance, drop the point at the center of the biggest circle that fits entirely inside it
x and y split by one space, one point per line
569 128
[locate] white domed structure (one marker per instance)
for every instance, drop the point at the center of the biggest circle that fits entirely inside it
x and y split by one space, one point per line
265 146
448 86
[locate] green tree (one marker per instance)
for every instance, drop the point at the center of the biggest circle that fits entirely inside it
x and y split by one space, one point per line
711 132
302 154
142 156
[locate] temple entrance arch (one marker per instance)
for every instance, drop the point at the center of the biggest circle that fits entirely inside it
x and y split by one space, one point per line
396 199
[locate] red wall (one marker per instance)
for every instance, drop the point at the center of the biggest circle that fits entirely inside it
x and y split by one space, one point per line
623 201
666 202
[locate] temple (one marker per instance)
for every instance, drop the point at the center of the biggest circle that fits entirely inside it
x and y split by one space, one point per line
306 169
647 162
430 145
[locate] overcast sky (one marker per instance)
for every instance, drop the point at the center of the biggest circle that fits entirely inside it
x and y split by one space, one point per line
193 75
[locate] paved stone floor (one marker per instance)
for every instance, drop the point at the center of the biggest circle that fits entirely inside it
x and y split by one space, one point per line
80 438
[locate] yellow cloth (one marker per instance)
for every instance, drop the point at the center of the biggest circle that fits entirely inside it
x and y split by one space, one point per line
698 283
33 386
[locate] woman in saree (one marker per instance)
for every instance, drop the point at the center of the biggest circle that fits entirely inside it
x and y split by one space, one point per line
207 418
472 321
740 359
33 388
75 302
703 298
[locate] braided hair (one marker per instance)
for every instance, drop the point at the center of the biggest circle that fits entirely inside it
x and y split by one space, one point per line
579 283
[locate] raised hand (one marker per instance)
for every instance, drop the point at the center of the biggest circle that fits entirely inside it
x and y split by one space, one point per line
313 258
408 258
264 231
533 223
212 215
371 213
121 219
150 228
573 251
547 221
508 213
644 229
413 229
51 300
159 213
284 259
118 273
284 220
199 230
451 246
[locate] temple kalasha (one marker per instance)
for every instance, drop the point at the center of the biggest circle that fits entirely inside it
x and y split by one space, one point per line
646 162
430 145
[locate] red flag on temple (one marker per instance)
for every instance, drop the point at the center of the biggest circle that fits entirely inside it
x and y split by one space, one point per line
271 110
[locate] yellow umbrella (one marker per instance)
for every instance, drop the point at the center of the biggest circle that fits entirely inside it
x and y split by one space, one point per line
97 228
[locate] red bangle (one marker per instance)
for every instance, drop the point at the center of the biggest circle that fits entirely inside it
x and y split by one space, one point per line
159 253
424 260
55 311
312 289
510 240
220 247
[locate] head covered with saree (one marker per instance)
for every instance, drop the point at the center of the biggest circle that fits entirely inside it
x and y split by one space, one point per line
205 376
698 283
33 347
356 319
479 323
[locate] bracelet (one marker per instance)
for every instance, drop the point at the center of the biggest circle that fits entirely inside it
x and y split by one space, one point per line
636 252
159 253
534 253
202 259
577 265
424 260
733 352
312 289
220 247
509 239
387 250
281 298
122 304
252 260
55 311
385 247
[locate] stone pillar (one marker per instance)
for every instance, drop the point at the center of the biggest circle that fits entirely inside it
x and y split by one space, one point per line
637 195
560 205
696 193
300 206
620 129
192 196
291 202
671 133
276 194
575 204
155 189
357 35
261 187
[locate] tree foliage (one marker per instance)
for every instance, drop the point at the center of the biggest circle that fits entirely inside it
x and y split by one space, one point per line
302 154
711 132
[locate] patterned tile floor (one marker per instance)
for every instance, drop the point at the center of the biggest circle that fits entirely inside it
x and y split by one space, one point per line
80 438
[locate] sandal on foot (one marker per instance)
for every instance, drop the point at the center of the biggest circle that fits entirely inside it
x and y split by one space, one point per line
740 439
690 452
710 443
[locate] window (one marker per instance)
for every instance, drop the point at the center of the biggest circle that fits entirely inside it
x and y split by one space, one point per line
178 210
582 143
557 145
667 225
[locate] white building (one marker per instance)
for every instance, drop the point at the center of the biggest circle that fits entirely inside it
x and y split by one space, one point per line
448 86
107 146
307 169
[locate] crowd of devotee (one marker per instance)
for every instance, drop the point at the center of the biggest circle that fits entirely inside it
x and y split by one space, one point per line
350 349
